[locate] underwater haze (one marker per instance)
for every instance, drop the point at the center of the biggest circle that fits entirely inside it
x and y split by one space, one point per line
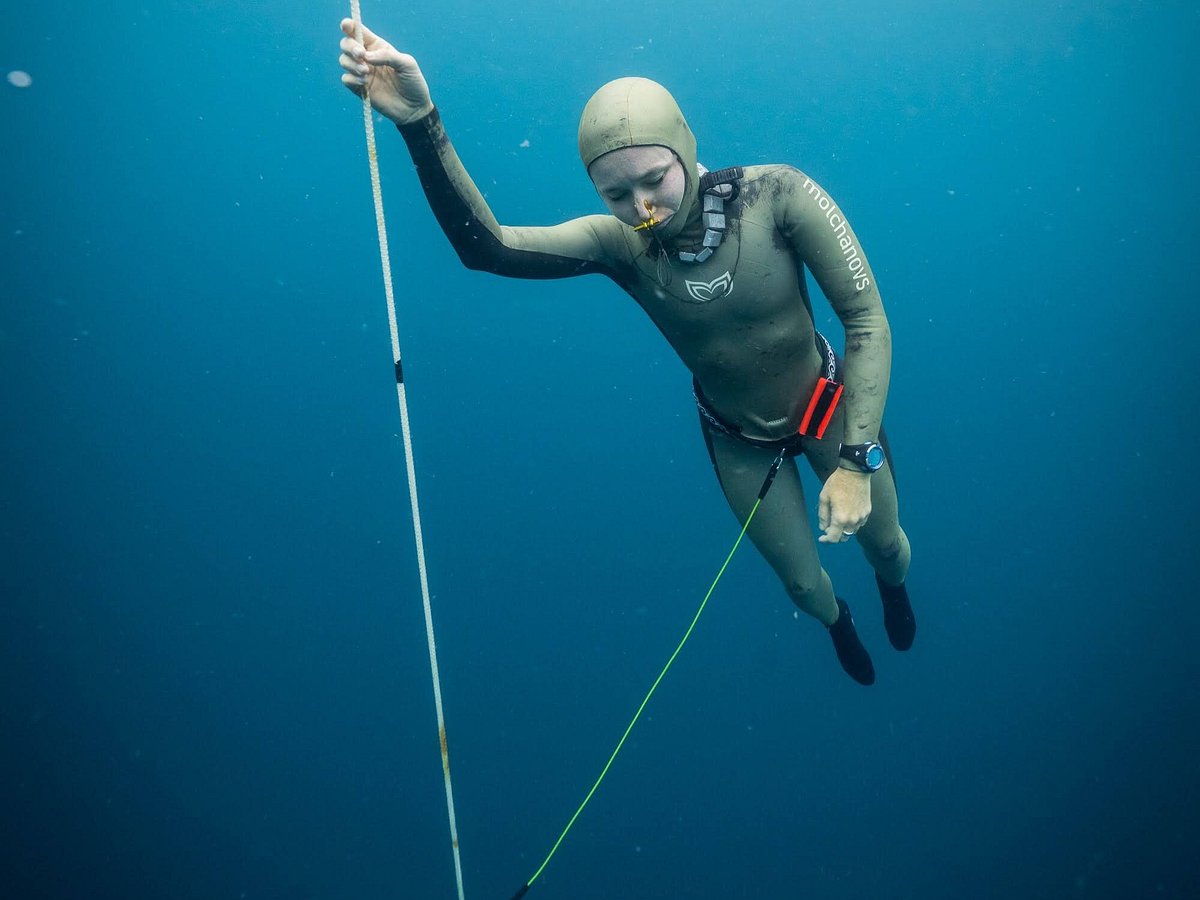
215 680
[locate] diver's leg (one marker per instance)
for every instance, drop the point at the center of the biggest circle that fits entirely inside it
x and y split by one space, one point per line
780 529
885 545
783 535
883 541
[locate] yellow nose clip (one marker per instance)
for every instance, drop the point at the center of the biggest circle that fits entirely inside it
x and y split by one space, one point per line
651 222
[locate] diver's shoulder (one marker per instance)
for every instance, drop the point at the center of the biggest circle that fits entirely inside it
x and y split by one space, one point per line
763 170
777 186
780 173
611 234
601 223
608 228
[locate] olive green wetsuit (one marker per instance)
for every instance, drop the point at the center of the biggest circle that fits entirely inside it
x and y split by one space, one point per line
740 321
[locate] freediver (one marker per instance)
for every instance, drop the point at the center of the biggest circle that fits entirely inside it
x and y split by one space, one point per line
717 261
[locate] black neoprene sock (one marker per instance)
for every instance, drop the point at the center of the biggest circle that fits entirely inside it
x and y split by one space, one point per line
898 616
850 650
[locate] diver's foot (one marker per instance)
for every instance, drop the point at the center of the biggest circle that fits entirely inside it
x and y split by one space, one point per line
898 616
850 650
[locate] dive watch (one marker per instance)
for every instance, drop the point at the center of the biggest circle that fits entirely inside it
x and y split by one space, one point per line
866 457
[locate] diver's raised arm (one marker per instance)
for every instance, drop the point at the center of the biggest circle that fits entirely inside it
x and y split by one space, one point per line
398 89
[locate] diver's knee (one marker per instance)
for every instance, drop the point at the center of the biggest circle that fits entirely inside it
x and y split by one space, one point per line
890 558
891 550
806 593
887 543
814 597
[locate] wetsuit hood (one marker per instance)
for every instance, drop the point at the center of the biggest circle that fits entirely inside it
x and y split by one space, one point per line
631 112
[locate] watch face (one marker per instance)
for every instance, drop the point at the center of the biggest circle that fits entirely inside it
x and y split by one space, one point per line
874 458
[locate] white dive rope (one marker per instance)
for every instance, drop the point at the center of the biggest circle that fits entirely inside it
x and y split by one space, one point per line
369 126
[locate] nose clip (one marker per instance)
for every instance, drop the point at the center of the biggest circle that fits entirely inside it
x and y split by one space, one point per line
651 222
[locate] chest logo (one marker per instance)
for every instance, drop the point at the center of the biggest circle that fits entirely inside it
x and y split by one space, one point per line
707 291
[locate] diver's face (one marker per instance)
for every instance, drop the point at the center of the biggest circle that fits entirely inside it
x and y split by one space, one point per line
639 184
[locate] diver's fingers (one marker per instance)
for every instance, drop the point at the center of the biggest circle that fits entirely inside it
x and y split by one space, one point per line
356 83
351 36
352 61
369 38
387 55
353 67
824 512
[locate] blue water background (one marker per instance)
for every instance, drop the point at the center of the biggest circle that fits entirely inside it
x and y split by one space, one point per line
215 681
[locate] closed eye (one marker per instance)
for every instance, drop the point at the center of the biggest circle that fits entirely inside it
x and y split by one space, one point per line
649 180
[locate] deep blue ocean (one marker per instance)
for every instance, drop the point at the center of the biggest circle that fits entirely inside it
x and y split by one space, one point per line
215 681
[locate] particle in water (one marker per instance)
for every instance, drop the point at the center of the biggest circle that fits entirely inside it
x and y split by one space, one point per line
20 79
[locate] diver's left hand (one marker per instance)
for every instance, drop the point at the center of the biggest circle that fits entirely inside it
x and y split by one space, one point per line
844 506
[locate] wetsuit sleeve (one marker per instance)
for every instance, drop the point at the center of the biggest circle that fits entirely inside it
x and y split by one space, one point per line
578 247
823 240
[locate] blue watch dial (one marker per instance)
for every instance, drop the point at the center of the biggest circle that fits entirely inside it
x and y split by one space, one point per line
874 458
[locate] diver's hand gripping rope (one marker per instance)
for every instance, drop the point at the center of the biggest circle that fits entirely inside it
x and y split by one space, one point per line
762 493
369 127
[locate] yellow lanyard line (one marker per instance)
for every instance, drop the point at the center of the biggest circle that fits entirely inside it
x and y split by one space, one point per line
761 494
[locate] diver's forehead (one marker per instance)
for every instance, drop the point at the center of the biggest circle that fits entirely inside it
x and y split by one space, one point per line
629 163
